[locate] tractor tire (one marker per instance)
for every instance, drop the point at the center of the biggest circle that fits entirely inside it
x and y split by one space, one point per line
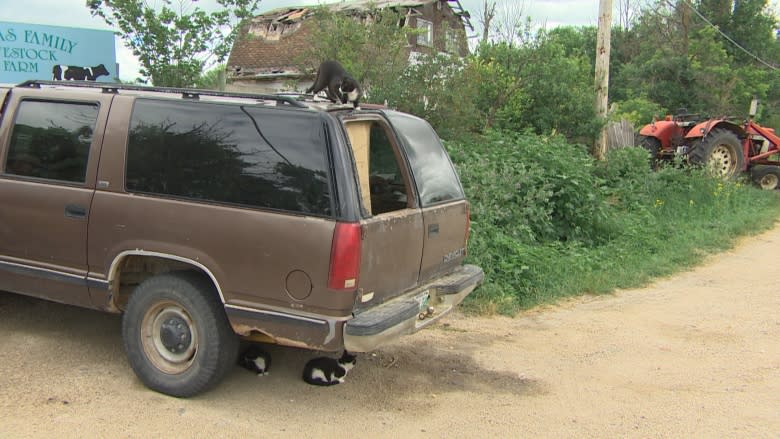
176 334
766 177
721 152
653 147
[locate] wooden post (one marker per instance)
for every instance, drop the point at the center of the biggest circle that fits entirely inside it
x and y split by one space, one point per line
602 73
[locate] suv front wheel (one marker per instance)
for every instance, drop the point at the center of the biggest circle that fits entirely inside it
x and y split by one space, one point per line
176 334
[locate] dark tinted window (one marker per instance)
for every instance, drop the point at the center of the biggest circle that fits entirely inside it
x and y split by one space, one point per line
433 172
388 190
51 140
228 153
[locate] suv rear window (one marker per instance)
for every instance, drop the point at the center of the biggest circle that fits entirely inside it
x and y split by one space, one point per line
244 155
433 172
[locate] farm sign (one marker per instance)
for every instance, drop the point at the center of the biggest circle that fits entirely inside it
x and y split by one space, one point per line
32 51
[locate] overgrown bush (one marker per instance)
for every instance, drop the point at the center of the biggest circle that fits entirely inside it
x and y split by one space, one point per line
439 88
639 111
536 189
548 221
538 86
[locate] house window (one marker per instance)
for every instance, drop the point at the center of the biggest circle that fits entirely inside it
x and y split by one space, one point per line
452 43
425 37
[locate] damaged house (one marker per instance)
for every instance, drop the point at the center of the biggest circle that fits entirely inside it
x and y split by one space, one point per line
264 55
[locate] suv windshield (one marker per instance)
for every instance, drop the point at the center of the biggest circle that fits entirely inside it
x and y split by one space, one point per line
433 172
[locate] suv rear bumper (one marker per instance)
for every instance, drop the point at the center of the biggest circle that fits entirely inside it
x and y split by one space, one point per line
411 312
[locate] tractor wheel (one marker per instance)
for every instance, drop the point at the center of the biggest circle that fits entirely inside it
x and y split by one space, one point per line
652 146
721 152
767 177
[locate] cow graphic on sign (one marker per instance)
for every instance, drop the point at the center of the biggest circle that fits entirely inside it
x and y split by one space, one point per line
76 73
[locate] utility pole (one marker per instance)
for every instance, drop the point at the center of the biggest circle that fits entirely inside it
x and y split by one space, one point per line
602 73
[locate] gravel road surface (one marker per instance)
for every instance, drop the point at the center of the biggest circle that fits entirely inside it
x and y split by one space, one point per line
693 355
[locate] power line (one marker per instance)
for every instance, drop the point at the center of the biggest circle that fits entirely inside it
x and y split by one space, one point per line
688 3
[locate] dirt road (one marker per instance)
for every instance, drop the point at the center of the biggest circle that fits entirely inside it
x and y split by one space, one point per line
694 355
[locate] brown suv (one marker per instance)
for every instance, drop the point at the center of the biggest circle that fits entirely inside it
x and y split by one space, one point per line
205 217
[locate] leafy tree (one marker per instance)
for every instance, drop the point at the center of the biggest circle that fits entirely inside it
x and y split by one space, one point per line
442 89
579 41
371 46
213 79
175 41
656 65
675 59
542 84
751 24
748 22
665 57
638 111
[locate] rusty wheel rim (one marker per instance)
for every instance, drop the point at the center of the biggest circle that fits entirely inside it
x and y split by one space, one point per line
169 337
723 161
769 182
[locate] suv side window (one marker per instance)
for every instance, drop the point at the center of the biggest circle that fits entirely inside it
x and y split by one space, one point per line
433 171
51 140
242 155
383 185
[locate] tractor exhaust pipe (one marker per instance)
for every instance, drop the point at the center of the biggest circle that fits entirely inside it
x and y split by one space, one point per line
753 108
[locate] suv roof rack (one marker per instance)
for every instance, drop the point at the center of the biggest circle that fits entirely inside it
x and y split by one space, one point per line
186 93
314 100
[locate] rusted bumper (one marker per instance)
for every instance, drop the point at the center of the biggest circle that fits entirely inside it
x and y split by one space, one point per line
410 312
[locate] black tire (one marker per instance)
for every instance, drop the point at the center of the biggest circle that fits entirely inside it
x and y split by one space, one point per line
653 146
766 177
176 334
721 152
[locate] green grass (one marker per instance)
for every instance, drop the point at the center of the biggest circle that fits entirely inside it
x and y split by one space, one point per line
550 222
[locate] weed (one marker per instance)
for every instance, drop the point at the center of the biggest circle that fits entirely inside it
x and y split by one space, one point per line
548 221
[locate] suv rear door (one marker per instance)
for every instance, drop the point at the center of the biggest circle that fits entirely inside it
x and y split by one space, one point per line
416 214
392 244
444 207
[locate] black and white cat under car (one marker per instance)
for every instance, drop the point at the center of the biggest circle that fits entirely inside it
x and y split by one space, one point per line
339 86
325 371
255 360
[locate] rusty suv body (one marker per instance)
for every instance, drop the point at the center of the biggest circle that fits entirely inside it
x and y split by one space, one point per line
204 217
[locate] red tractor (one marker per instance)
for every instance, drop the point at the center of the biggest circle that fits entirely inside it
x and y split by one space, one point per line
726 147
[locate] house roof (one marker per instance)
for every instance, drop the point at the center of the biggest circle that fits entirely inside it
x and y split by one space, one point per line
284 33
250 57
292 14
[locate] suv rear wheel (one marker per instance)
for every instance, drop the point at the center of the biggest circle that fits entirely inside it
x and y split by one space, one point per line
176 334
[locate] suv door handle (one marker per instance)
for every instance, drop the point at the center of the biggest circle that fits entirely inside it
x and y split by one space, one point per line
75 211
433 230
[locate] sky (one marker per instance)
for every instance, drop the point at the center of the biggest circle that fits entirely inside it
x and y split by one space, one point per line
74 13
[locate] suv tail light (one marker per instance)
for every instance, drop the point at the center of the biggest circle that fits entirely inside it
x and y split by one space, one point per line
345 257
